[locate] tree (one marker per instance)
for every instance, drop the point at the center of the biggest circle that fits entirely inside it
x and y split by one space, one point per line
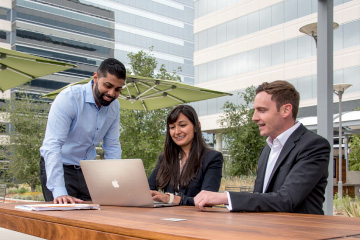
354 156
241 134
142 133
142 63
27 118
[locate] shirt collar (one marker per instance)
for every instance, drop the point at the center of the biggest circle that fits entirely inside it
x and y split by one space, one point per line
283 137
89 95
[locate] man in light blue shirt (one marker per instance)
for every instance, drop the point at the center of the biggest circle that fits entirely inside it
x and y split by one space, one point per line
81 117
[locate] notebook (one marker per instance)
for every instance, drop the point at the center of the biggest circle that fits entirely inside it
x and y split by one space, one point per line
119 182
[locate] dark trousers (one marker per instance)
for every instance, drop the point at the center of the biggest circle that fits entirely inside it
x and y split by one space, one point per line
74 182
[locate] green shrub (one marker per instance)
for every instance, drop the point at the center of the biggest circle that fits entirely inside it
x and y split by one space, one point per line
22 190
10 185
12 191
38 188
38 197
16 196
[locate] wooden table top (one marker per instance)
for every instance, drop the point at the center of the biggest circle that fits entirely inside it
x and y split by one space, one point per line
147 223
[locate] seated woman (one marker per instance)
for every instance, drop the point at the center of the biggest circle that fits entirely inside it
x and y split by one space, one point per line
187 165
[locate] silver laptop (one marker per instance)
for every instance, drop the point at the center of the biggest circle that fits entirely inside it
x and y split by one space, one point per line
118 182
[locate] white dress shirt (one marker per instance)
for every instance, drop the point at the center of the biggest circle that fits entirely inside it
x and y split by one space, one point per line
276 146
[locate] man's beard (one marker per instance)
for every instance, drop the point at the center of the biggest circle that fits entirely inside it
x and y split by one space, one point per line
99 96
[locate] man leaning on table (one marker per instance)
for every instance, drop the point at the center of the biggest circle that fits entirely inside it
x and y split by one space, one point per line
80 117
293 166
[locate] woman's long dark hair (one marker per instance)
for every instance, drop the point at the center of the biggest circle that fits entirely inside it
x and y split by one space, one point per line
169 169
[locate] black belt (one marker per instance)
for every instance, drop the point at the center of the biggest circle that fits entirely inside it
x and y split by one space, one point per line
67 166
72 166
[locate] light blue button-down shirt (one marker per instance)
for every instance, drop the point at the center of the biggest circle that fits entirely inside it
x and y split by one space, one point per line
75 127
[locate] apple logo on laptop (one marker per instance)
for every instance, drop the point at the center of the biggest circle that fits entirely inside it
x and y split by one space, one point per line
115 183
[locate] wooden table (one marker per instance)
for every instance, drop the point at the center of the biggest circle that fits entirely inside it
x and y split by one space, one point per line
147 223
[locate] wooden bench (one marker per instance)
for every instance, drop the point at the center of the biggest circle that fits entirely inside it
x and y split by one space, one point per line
2 192
234 188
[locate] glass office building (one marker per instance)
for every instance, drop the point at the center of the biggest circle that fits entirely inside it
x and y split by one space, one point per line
240 43
163 25
5 32
62 30
85 32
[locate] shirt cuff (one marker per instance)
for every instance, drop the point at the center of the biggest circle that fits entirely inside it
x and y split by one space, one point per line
229 201
59 191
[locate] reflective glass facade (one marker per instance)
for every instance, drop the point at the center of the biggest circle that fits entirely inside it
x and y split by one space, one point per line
273 56
256 21
347 35
63 30
5 15
85 32
165 26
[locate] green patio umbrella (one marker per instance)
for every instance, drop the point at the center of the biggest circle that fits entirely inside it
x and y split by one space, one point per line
17 68
142 93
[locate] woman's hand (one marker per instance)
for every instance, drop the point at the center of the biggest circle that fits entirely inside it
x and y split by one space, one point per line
163 197
160 197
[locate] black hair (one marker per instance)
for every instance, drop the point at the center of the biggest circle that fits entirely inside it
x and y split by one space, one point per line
112 66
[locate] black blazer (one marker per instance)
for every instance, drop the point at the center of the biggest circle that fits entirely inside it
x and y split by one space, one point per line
298 180
208 177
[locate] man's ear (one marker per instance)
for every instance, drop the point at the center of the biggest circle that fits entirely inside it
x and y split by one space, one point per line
95 77
287 110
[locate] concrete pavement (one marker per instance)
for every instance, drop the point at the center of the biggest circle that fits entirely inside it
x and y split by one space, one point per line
6 234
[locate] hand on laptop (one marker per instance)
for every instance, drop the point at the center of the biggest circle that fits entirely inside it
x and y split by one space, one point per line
159 197
164 197
67 199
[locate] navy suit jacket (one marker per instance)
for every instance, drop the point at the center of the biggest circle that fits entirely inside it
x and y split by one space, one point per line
208 177
298 180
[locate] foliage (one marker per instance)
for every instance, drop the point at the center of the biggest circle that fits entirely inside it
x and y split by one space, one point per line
35 196
21 190
142 64
142 133
354 156
241 135
12 185
27 118
347 206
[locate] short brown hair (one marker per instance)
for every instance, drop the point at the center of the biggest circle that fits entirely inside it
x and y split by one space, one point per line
282 93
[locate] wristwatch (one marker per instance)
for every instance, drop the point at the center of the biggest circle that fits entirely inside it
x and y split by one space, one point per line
171 197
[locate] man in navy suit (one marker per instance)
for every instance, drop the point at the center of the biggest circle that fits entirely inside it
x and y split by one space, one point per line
293 166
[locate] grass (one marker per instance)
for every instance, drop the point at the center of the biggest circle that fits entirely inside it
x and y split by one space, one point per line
23 192
347 206
237 181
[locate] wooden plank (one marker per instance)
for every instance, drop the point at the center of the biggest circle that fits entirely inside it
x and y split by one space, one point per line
48 230
216 223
